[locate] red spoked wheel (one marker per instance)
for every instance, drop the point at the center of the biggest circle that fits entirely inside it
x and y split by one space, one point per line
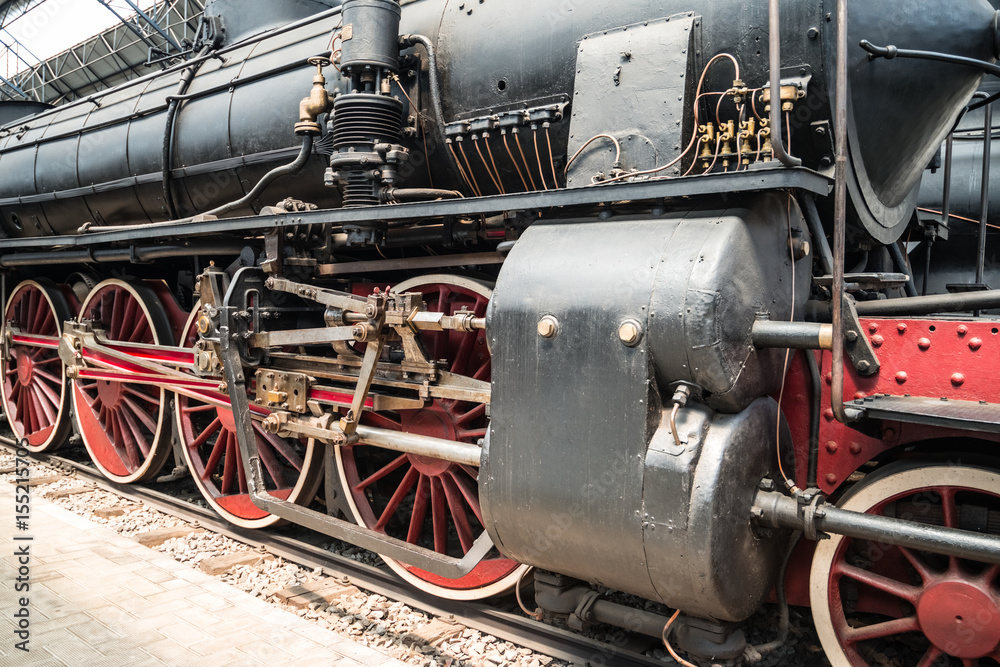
292 468
429 502
871 601
34 377
123 424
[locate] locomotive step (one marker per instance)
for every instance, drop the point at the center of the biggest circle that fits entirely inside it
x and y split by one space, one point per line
942 412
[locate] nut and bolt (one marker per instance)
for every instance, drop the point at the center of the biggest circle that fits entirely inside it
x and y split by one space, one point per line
548 326
630 332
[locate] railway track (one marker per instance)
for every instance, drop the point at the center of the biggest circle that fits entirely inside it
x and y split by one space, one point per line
546 639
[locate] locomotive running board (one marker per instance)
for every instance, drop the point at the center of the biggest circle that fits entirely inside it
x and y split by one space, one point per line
944 413
425 559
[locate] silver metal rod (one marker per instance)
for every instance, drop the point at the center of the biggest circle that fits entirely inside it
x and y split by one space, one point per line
840 218
774 46
984 201
793 335
463 453
777 510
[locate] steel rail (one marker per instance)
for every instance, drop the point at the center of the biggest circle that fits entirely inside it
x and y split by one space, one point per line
545 639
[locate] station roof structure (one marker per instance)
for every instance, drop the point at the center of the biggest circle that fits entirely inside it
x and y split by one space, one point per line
56 51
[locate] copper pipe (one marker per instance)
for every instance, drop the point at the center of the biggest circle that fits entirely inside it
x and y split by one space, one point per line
516 166
552 162
468 168
840 213
489 151
486 166
527 170
541 174
461 169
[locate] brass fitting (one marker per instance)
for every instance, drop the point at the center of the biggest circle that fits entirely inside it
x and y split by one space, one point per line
727 132
747 135
789 95
318 102
708 142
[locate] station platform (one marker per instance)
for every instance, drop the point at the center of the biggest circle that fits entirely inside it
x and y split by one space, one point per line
97 598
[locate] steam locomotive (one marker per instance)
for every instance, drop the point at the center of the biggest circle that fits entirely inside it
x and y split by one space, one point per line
617 293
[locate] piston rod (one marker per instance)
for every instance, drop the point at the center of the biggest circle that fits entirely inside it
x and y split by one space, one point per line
776 510
463 453
793 335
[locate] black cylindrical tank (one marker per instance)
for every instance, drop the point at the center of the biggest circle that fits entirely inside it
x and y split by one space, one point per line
86 162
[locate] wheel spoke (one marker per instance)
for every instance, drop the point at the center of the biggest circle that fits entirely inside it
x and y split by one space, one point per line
470 495
45 405
200 407
130 406
897 626
270 462
140 438
438 518
409 479
393 465
949 507
240 474
152 399
278 445
474 413
209 431
419 510
918 564
128 323
48 376
460 362
229 470
880 582
990 575
930 657
458 515
217 451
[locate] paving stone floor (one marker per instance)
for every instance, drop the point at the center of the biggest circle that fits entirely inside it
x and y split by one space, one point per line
98 598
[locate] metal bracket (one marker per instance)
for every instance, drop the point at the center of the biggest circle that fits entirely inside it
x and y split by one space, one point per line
425 559
859 349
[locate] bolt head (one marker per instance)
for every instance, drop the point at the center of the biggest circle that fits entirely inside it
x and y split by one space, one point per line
901 377
630 333
957 379
975 343
962 329
901 327
548 326
863 366
851 335
204 324
924 343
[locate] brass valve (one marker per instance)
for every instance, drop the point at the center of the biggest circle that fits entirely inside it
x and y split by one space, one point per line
318 102
708 141
747 135
789 95
727 132
766 152
738 92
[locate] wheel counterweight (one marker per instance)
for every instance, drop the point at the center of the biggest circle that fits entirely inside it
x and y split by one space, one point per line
871 600
123 424
292 468
423 500
34 378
